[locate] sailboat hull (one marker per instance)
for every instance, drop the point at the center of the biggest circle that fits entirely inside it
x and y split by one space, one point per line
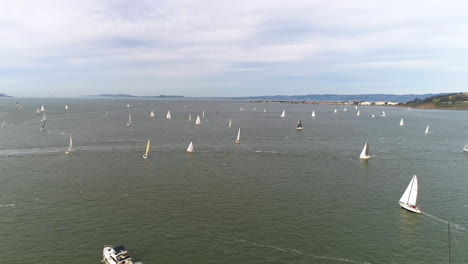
410 208
365 157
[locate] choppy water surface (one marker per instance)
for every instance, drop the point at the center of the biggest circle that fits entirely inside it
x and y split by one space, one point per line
280 196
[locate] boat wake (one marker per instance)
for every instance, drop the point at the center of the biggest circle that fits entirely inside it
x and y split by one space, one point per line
7 205
457 226
293 251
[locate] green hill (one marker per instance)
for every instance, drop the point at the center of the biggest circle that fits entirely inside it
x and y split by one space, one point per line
456 101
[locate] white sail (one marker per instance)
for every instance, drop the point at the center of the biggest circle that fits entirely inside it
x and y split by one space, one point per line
373 115
299 125
383 113
402 123
284 113
70 145
66 107
168 115
42 108
190 117
230 122
198 121
152 113
242 109
409 198
190 147
255 109
238 137
335 111
264 110
358 113
147 150
427 130
365 152
465 148
313 114
203 113
355 107
344 110
44 117
129 120
3 125
38 111
128 105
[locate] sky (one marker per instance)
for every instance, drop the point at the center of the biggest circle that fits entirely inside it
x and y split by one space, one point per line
232 48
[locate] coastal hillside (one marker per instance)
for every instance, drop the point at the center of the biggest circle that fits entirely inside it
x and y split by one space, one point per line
458 101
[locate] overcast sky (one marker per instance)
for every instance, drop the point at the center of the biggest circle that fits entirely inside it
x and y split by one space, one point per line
232 48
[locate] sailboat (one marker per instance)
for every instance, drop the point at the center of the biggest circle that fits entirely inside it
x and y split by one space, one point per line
3 125
198 121
145 156
313 114
409 197
238 137
190 147
373 115
255 109
358 113
129 120
365 152
299 125
242 109
465 148
190 117
66 107
383 114
230 122
168 115
37 111
344 110
44 117
355 107
128 105
402 123
107 113
284 113
69 150
42 108
264 110
152 113
427 130
335 111
203 113
43 125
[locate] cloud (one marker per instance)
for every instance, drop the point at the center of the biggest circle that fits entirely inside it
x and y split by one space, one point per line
242 42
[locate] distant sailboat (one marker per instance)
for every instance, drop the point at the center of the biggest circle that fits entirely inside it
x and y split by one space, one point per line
38 111
383 114
358 113
185 106
44 117
168 115
3 125
355 107
410 196
335 111
299 125
373 115
42 108
365 152
128 105
230 122
402 123
264 110
69 150
190 147
66 107
465 148
238 137
242 109
255 109
190 117
203 113
145 156
427 130
129 120
152 113
284 113
107 113
43 125
344 110
198 121
313 114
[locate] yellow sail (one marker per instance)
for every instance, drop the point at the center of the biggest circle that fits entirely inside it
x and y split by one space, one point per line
147 148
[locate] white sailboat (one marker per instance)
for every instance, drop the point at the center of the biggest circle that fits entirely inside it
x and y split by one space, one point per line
383 114
107 113
168 115
129 120
190 147
238 137
203 113
344 110
145 156
358 113
242 109
66 107
365 152
355 107
409 198
44 117
69 150
299 125
465 148
152 113
335 111
373 115
264 110
42 108
3 125
190 117
284 113
43 125
427 130
38 111
230 122
313 114
402 123
198 121
128 105
255 109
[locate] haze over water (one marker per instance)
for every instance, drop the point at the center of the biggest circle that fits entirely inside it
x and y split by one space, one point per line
280 196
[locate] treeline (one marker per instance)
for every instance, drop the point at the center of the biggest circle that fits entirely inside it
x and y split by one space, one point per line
446 98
